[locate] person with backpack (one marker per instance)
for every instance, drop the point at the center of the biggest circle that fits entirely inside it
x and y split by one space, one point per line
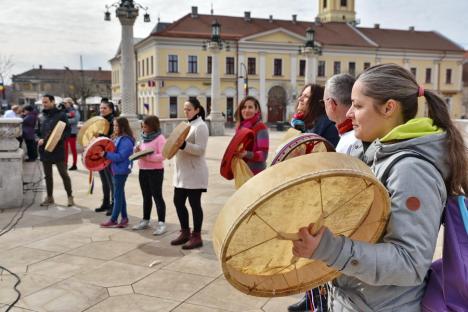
248 115
391 275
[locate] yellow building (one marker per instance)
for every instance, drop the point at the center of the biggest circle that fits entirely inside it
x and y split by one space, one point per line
172 66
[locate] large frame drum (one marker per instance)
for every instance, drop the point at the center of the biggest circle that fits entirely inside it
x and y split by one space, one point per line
175 140
248 235
92 158
92 128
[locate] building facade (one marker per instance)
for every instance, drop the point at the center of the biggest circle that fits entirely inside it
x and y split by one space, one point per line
33 84
265 55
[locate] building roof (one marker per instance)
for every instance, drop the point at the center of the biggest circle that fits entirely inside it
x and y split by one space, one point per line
340 34
59 74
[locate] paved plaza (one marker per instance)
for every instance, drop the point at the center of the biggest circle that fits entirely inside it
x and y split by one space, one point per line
68 263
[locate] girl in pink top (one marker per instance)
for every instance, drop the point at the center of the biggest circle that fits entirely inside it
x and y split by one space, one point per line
151 174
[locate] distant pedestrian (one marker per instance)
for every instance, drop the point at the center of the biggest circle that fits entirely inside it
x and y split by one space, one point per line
73 116
29 129
14 112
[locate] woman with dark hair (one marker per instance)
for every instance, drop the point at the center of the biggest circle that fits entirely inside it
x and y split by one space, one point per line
391 274
151 174
106 110
121 168
191 176
29 127
248 115
310 114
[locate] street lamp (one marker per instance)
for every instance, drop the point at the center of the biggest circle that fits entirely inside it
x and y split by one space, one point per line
246 80
127 12
215 45
311 51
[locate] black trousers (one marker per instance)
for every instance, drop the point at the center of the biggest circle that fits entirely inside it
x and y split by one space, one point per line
62 169
151 187
107 186
194 197
31 146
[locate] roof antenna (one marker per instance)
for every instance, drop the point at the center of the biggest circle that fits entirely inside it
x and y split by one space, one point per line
159 18
211 8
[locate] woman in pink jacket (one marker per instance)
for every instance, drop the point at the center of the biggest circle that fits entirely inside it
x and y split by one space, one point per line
151 174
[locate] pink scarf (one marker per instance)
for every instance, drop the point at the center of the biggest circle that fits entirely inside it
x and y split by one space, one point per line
249 123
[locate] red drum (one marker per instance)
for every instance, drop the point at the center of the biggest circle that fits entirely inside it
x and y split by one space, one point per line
241 141
301 145
92 158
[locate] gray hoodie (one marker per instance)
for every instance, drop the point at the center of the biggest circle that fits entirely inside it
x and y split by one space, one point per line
390 275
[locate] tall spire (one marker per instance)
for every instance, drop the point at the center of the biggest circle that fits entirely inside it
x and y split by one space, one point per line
212 8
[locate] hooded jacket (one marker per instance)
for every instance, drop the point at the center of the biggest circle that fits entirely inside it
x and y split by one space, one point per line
390 275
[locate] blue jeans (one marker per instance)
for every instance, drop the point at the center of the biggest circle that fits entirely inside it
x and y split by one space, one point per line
120 205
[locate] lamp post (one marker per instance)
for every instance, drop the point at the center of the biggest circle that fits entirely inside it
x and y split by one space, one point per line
311 52
127 12
246 80
215 45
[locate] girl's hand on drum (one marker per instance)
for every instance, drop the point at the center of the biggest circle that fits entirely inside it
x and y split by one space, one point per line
137 148
102 154
307 243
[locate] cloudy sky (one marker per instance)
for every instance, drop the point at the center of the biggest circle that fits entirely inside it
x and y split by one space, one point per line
55 33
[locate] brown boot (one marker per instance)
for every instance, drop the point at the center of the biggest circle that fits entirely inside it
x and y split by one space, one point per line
195 241
184 237
47 201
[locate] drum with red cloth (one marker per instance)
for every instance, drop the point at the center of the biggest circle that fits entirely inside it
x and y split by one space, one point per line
92 158
302 144
242 140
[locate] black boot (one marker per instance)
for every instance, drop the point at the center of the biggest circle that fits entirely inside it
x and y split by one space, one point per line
299 306
102 208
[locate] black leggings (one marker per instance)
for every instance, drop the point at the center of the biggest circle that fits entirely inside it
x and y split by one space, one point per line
151 187
194 197
107 186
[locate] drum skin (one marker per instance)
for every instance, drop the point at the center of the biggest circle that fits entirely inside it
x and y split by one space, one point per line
284 198
91 129
138 155
92 159
243 138
175 140
55 136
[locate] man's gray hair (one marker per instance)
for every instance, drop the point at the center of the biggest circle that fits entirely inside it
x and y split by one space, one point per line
339 88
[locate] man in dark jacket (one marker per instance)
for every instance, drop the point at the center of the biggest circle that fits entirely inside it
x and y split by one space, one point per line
51 115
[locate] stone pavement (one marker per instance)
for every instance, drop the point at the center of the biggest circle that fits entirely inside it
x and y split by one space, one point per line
68 263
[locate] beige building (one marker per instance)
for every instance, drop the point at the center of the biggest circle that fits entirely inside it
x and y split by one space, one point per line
172 66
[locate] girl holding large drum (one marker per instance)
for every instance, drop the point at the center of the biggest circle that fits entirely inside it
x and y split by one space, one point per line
191 176
391 275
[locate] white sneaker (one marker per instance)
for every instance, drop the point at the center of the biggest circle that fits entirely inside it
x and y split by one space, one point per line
144 224
160 228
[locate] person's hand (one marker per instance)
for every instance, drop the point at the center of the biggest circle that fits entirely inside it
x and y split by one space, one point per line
40 142
137 148
241 154
102 154
307 243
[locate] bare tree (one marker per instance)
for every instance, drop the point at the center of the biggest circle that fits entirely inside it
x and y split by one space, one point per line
6 64
79 86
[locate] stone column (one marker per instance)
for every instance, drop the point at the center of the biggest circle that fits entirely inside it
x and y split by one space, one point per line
435 76
127 18
311 65
240 81
262 85
293 95
11 164
216 118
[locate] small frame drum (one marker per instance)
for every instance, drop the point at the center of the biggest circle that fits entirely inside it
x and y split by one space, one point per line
55 136
138 155
92 158
175 140
301 145
92 128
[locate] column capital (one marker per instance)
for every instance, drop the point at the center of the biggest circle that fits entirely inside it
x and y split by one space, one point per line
127 16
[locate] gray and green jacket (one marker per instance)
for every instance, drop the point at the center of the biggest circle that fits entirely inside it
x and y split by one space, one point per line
390 275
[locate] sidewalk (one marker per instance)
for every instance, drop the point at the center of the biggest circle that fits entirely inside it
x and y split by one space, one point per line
68 263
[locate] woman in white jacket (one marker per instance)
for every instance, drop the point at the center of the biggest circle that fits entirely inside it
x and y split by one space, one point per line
191 176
